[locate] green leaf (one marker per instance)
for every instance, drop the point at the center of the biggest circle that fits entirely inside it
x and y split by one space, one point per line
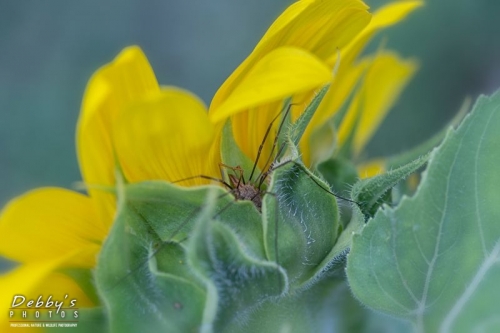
300 221
286 120
434 259
372 192
297 129
237 280
231 153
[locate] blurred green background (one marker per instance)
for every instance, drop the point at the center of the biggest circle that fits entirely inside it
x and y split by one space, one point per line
50 49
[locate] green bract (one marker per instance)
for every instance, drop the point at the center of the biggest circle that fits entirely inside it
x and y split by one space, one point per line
197 260
185 259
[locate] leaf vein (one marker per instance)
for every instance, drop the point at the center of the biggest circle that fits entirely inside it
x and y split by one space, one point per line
489 261
422 305
403 280
378 281
476 194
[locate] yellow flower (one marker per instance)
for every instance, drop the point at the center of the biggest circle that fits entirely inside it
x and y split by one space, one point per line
325 29
131 125
153 132
127 121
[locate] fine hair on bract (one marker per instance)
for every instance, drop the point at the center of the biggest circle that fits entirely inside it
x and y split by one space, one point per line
252 189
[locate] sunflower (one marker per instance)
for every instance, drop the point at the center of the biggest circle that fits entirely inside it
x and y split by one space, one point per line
130 125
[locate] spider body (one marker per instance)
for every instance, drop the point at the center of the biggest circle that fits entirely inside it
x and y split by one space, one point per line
243 191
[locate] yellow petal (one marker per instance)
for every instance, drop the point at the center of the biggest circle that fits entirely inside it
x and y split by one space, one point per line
281 73
413 181
320 27
384 17
249 129
129 77
23 279
165 136
38 279
372 168
44 224
59 285
393 13
384 83
351 118
350 72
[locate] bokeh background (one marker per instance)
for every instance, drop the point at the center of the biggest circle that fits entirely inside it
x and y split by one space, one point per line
49 49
